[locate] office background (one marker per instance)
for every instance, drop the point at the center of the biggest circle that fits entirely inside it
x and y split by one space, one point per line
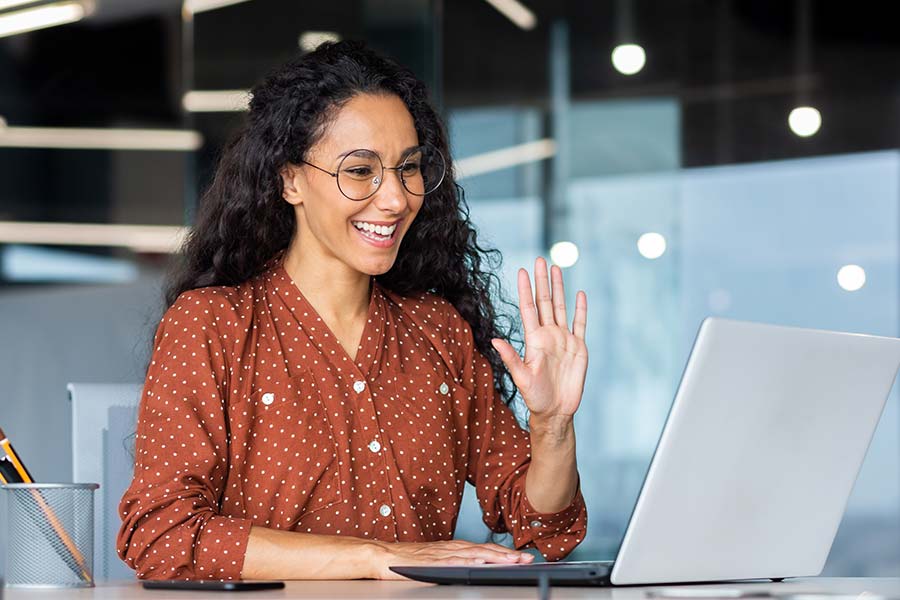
681 158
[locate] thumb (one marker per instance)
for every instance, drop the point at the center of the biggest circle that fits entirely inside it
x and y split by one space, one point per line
511 359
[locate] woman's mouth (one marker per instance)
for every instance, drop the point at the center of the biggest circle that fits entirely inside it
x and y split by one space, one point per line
381 236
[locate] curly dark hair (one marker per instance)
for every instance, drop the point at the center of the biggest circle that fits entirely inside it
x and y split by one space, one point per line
243 221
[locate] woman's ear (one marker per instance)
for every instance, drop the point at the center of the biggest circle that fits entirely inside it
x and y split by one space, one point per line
289 183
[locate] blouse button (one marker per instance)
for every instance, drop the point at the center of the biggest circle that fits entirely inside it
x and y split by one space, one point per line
374 446
359 386
268 398
385 510
444 388
537 524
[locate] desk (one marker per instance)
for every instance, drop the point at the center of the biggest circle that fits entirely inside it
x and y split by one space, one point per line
333 590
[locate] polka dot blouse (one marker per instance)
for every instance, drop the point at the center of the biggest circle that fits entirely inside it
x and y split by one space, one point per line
254 414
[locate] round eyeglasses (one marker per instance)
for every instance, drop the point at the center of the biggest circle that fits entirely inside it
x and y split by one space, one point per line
361 172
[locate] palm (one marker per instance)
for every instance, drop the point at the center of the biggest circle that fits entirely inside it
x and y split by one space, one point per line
551 375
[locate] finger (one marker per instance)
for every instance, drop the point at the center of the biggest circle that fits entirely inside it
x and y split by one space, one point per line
520 556
542 292
500 548
559 297
526 303
461 560
512 360
489 552
579 323
492 556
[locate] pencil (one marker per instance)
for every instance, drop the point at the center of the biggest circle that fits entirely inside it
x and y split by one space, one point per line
8 473
26 477
14 458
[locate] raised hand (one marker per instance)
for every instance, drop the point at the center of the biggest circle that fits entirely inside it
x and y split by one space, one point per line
551 376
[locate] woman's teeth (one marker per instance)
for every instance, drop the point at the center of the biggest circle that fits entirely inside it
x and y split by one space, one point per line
382 230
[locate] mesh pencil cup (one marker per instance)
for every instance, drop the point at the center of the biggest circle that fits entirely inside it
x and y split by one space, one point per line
51 534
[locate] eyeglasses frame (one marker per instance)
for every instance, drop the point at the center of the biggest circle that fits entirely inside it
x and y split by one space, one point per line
383 169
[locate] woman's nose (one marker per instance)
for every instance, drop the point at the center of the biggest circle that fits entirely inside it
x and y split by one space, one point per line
392 192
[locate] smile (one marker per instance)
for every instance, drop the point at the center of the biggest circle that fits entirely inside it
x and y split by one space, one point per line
379 230
381 236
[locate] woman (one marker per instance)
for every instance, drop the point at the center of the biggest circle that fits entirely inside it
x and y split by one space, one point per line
320 393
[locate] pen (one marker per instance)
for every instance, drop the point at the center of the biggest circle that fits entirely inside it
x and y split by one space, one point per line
24 476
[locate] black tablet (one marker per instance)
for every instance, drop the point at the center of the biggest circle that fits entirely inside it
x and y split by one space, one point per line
212 584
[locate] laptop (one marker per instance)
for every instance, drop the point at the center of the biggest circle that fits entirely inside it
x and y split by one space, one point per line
754 467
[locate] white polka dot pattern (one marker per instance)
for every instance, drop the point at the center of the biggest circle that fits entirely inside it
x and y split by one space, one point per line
253 413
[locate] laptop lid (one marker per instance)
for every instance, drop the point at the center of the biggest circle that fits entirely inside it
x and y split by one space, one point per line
758 456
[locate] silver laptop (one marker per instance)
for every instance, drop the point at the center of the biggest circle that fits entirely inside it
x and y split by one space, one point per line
754 466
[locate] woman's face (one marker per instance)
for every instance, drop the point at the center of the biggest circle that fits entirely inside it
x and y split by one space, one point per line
328 223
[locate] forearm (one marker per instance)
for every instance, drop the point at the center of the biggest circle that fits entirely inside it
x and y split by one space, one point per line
280 554
552 478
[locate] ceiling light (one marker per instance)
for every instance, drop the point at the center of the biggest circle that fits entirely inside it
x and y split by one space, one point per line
140 238
310 40
23 263
628 59
805 121
100 139
516 12
47 15
4 4
504 158
651 245
216 101
851 277
564 254
192 7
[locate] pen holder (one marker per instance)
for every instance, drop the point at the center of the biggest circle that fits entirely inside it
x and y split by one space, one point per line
51 534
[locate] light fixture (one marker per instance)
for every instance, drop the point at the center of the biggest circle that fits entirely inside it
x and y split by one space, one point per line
651 245
46 15
504 158
851 277
310 40
216 101
805 121
5 4
22 263
192 7
100 139
629 59
516 12
140 238
564 254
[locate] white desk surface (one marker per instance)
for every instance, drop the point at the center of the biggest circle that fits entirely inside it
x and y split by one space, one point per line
855 588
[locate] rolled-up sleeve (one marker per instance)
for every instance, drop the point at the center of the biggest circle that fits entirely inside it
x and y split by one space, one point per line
171 526
499 455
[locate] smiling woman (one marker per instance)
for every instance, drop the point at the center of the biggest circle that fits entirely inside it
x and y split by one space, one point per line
328 374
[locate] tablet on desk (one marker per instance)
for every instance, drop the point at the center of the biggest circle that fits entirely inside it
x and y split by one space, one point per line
212 584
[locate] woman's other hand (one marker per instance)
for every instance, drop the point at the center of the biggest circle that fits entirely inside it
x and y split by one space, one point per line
453 552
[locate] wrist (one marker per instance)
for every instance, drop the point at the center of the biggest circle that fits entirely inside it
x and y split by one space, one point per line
373 554
552 429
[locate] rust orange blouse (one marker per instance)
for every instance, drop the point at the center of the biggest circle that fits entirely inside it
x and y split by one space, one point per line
253 413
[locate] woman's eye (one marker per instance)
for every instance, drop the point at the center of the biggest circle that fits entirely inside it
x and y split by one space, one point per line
410 168
359 171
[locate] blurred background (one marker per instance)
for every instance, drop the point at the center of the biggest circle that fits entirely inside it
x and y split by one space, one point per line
679 158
